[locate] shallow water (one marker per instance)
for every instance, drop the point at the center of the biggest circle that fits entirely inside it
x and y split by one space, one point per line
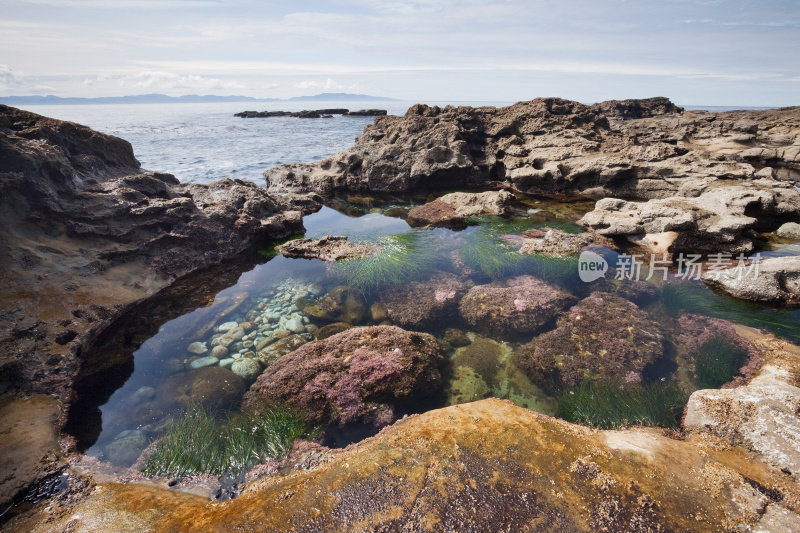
161 384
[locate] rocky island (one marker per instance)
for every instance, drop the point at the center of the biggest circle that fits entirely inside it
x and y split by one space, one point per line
90 239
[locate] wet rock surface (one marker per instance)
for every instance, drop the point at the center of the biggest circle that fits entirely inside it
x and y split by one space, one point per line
551 241
773 280
520 306
360 375
602 337
482 466
340 304
451 209
330 248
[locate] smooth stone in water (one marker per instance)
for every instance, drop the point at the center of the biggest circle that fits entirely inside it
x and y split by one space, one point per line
294 325
143 394
790 230
219 352
227 326
125 450
227 362
204 361
247 344
198 348
248 369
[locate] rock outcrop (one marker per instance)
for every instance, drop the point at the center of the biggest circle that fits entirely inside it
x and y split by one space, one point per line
362 375
603 337
513 308
476 467
330 248
424 303
696 166
451 209
86 233
775 280
551 241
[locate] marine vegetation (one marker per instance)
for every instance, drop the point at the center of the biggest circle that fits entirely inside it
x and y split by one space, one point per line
200 444
717 362
609 405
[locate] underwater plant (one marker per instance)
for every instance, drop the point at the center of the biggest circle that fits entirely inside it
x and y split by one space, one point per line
200 444
609 405
512 226
403 257
696 298
717 362
487 253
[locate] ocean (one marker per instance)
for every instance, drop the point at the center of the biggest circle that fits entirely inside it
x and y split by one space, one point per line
202 143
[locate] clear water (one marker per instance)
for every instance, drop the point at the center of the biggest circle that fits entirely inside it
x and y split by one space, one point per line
143 407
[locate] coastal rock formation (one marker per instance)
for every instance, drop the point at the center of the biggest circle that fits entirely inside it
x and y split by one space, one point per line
86 233
724 217
451 209
761 415
316 113
773 280
602 337
513 308
360 375
698 166
330 248
482 466
424 303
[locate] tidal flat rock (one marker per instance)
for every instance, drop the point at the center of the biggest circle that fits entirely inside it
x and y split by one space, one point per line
361 375
602 337
513 308
330 248
775 280
421 303
451 209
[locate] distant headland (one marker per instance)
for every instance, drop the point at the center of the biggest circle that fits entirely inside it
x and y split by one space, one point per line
186 99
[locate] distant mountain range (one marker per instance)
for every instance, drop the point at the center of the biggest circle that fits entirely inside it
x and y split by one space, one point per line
187 99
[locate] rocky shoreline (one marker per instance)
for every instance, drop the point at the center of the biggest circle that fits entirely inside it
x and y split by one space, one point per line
88 236
315 113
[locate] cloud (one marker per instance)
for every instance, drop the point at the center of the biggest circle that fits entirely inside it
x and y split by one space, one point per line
328 85
156 80
127 4
9 79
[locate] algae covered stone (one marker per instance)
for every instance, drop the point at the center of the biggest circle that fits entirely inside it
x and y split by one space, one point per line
341 304
362 375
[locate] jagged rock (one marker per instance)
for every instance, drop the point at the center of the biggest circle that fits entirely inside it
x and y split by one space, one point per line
602 337
648 107
360 375
87 233
423 303
519 306
722 218
451 209
773 280
330 248
556 242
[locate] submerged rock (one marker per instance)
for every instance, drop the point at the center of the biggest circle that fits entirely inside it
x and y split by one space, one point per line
482 356
278 349
126 448
602 337
198 348
247 369
773 280
361 375
424 303
204 361
341 304
330 248
331 329
212 387
513 308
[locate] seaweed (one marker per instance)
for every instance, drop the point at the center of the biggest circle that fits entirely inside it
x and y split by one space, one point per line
609 405
487 253
501 225
403 257
200 444
717 362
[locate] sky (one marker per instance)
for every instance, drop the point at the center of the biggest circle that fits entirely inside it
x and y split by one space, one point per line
703 52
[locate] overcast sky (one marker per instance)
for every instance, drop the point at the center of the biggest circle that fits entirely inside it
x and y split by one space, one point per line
710 52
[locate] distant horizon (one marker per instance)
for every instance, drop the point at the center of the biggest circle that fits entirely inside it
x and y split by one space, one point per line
319 97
